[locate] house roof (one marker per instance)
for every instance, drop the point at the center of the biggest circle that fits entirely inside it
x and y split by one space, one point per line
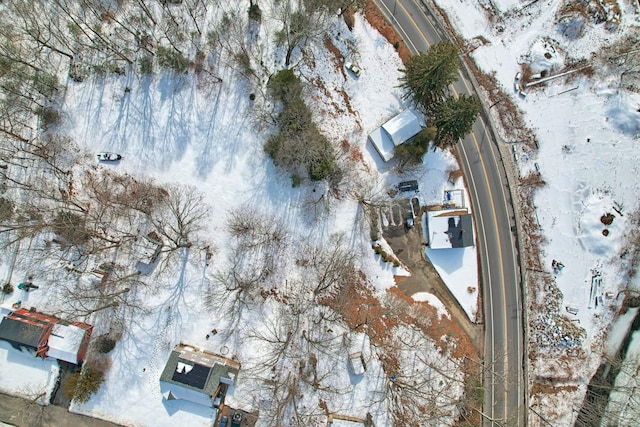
383 144
174 392
450 228
147 249
403 127
191 374
465 237
199 372
19 332
65 342
396 131
58 338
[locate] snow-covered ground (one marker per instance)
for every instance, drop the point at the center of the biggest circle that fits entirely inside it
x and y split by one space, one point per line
26 376
586 127
207 133
201 131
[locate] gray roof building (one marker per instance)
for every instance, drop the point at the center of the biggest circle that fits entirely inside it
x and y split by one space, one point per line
195 375
20 333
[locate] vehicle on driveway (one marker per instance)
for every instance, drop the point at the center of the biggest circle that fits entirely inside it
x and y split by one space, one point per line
236 419
410 215
108 157
353 68
407 186
223 421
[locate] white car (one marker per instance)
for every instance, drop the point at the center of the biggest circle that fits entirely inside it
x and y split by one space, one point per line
108 157
353 68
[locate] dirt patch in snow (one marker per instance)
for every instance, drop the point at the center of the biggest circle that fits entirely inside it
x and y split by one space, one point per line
607 219
547 388
441 330
377 317
334 110
349 18
337 55
364 312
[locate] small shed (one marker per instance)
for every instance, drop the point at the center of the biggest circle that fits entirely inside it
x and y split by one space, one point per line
400 129
147 248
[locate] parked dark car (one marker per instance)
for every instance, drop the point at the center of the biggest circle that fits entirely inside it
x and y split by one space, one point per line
108 157
223 421
408 186
236 419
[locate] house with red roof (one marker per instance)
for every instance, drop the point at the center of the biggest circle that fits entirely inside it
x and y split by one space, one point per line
45 335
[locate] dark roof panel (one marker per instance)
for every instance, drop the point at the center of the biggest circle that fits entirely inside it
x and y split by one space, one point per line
20 332
467 230
461 235
191 374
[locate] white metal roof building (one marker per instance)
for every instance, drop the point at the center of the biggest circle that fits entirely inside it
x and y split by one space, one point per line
65 342
396 131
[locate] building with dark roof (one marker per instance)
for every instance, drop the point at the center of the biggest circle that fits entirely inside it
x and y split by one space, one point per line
197 376
22 334
45 335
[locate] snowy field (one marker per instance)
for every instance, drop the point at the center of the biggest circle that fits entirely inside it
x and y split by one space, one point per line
206 133
26 376
586 127
202 130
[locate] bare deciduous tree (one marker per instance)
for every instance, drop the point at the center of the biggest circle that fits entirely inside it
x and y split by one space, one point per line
179 217
301 24
328 266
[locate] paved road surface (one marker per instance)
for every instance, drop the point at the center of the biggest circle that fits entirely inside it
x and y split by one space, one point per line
20 412
493 213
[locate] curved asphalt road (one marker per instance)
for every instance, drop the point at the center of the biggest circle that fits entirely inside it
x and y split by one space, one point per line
485 174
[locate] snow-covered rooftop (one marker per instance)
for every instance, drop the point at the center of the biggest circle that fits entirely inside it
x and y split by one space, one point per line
396 131
403 127
382 143
449 228
65 342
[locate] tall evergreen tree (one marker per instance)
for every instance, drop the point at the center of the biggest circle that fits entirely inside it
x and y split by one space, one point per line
453 118
428 75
